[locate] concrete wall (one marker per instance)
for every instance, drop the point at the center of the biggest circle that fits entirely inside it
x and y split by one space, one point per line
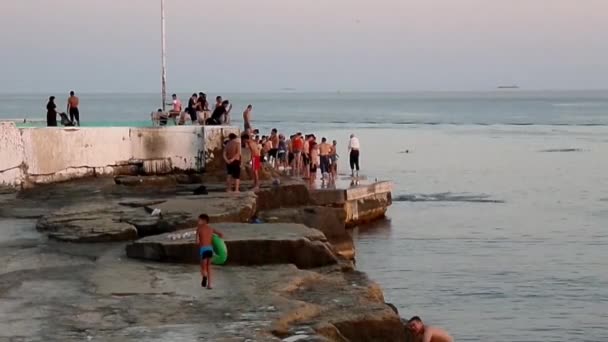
11 154
43 155
362 203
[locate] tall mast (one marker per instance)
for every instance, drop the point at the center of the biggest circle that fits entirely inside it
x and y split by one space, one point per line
163 55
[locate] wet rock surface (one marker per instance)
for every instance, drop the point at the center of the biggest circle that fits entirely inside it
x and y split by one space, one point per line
248 244
87 223
328 220
57 291
221 207
105 218
287 194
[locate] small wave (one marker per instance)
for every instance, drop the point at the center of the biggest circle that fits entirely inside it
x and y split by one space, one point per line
562 150
579 104
447 197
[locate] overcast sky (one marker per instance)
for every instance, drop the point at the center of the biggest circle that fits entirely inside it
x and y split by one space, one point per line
309 45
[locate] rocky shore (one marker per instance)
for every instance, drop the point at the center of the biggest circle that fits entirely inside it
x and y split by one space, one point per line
105 268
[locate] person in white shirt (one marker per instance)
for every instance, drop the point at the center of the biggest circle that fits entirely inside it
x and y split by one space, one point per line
353 149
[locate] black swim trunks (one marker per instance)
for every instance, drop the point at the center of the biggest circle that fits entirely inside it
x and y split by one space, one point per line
234 169
74 114
305 159
273 152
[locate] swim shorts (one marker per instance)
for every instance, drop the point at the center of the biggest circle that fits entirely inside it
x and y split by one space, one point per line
234 169
205 252
256 163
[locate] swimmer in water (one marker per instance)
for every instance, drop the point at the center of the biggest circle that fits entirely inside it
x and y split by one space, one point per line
426 333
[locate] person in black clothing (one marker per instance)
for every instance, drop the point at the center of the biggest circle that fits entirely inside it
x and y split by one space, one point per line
191 109
219 112
51 112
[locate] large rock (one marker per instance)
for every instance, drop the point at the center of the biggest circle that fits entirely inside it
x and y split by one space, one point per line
87 223
248 244
129 218
221 207
330 221
340 306
288 194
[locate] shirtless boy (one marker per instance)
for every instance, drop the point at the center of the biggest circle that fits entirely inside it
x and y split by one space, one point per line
232 157
204 234
256 162
425 333
334 159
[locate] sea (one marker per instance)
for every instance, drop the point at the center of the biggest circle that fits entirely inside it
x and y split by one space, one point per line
499 226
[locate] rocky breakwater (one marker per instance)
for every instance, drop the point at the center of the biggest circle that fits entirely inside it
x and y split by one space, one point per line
284 280
313 294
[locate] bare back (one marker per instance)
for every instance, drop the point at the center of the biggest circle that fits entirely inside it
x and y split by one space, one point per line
325 149
204 235
73 101
433 334
233 150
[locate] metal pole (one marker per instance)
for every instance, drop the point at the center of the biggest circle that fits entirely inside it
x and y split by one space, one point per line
163 53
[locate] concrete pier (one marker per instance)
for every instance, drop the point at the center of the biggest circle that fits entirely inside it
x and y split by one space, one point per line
361 203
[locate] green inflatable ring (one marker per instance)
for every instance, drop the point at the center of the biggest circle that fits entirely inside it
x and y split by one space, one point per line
220 252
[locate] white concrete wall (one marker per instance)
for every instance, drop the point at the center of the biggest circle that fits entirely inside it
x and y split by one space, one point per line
44 155
168 148
11 155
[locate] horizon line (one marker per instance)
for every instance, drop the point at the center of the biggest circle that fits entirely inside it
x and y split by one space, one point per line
493 90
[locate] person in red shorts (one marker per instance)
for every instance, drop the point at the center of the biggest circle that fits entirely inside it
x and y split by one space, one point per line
256 160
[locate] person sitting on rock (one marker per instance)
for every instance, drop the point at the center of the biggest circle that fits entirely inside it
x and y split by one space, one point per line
427 333
204 235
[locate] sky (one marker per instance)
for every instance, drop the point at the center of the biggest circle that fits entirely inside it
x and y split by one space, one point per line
307 45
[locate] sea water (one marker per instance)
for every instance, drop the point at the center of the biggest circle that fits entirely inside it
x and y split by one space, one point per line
499 227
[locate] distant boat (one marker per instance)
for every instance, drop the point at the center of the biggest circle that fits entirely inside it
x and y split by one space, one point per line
508 87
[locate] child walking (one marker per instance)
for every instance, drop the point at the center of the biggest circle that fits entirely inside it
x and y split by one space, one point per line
204 235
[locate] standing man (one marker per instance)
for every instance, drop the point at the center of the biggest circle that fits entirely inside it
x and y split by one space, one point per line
247 119
232 157
73 103
274 148
256 160
324 155
192 105
334 159
427 333
353 149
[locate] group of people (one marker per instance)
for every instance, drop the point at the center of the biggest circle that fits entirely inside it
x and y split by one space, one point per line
73 104
302 154
197 111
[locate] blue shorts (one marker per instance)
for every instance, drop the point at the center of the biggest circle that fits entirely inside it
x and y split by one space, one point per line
205 252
